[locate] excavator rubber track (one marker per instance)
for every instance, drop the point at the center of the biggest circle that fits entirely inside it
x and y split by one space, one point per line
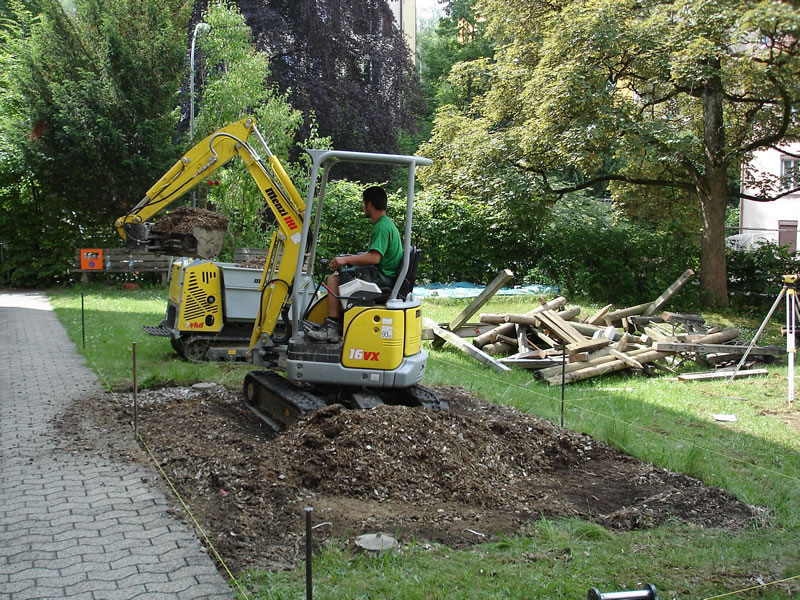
280 403
269 395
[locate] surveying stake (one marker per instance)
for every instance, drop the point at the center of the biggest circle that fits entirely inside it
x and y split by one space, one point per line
789 291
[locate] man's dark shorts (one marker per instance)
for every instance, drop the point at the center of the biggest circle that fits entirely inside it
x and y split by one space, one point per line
368 273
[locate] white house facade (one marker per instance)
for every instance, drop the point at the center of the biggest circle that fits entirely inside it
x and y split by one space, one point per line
775 221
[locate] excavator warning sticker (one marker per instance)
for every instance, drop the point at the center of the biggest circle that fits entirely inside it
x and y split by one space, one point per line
387 331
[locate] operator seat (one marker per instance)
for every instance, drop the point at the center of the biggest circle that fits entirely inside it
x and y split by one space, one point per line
371 299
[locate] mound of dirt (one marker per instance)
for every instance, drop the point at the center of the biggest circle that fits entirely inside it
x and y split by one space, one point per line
458 478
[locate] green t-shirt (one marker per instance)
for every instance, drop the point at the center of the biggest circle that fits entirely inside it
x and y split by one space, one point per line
385 238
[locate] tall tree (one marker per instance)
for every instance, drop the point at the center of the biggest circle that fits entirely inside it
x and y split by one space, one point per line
94 97
235 85
345 62
668 95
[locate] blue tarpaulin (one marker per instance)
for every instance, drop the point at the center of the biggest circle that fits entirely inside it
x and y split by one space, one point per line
462 289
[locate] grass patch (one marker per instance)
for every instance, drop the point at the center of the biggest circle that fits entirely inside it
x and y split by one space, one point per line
659 420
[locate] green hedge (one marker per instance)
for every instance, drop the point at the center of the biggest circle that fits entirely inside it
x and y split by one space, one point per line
755 276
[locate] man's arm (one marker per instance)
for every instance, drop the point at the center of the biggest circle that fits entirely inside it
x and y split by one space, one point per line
373 257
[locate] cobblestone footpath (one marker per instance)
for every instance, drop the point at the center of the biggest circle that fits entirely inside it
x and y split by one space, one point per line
74 526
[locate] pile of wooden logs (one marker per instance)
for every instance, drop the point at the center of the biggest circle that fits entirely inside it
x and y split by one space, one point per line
562 346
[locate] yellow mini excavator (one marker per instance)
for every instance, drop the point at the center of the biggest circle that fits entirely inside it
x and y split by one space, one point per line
380 358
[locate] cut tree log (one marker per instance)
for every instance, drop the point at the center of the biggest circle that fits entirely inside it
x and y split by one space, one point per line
508 328
630 311
615 365
601 366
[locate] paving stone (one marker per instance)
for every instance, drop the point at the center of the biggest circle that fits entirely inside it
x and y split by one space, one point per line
72 525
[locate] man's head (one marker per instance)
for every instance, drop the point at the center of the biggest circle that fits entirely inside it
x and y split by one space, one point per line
375 197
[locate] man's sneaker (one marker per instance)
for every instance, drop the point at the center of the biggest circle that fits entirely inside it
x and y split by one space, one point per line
327 332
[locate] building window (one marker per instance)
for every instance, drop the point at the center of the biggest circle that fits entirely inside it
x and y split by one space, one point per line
790 172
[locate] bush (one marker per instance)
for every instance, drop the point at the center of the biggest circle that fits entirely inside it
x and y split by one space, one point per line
755 275
585 252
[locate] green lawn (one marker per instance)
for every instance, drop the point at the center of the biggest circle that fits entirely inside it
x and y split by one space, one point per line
756 458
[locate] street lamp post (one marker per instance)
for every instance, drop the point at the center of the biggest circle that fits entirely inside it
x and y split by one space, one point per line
198 29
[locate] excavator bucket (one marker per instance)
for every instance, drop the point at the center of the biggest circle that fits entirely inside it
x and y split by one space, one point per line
200 243
186 231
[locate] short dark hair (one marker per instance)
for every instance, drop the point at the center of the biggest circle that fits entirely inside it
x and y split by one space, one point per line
376 196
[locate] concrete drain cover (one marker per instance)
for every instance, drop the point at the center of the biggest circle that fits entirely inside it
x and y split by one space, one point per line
376 543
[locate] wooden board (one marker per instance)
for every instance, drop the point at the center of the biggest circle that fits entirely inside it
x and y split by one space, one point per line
465 347
659 302
721 375
465 331
490 290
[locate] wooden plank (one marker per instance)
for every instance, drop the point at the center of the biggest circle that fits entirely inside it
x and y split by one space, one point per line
659 302
490 290
598 317
468 330
588 345
656 335
629 360
531 363
671 317
465 347
723 348
721 375
560 327
522 338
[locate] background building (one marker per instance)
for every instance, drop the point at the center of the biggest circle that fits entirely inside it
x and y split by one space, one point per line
405 13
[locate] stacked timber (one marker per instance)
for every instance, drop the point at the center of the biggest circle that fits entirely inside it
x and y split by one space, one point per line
561 346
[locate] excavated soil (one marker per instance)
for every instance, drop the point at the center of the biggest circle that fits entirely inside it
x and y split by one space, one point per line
184 219
458 478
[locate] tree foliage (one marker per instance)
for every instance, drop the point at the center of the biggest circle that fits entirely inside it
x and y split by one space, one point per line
235 85
87 103
670 96
345 62
95 88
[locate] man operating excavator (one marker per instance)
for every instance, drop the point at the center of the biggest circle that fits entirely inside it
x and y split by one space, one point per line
379 264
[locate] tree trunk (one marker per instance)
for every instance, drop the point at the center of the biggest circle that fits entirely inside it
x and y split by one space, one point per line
713 270
713 193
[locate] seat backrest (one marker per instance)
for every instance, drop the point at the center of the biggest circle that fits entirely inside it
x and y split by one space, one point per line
411 275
